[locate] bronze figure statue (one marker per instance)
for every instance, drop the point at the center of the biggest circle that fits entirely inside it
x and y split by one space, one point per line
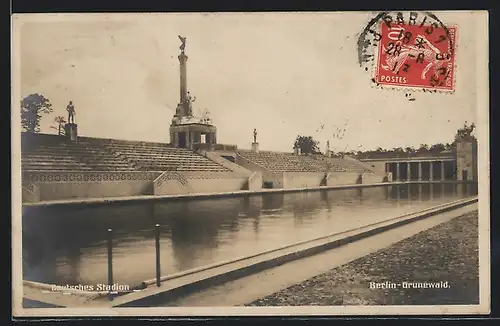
255 135
183 45
71 112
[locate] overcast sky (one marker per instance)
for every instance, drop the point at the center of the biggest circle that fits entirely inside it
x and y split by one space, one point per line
283 74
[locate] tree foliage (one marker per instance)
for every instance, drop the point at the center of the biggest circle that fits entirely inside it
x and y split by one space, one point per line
59 122
32 108
307 145
463 134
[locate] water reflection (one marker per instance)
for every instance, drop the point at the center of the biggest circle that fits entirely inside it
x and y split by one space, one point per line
68 245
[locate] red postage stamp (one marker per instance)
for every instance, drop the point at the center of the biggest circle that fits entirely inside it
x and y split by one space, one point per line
416 56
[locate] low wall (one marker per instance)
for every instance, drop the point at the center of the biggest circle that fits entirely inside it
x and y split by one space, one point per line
255 181
30 193
219 185
276 178
69 185
254 178
200 182
66 185
266 176
379 166
171 187
170 183
302 179
373 178
342 178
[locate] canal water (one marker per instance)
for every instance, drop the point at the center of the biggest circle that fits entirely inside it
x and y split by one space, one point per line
69 245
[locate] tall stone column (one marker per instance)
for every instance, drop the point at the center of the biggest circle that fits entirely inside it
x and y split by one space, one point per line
431 171
398 173
183 74
442 170
419 171
408 171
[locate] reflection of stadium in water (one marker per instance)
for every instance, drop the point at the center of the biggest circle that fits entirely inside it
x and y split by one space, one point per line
68 245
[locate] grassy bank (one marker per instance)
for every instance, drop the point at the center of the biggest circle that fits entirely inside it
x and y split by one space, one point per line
445 253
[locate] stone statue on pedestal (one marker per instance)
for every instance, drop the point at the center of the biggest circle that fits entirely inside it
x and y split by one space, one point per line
188 100
183 45
71 112
255 135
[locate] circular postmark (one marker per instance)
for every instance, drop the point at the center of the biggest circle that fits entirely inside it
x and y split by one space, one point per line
412 50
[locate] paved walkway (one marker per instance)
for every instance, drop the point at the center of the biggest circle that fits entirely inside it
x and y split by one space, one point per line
445 253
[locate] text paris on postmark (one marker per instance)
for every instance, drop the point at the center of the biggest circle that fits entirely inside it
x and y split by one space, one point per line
412 50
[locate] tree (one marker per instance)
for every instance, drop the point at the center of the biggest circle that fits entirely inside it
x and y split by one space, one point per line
398 150
437 148
32 108
465 133
410 150
60 121
424 148
307 145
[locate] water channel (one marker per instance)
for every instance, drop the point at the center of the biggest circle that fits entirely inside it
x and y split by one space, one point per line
68 245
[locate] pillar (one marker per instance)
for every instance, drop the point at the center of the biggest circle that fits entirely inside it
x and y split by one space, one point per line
183 74
431 171
442 170
188 139
173 139
71 131
408 171
398 174
419 171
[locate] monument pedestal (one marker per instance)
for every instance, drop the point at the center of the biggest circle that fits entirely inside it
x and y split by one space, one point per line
255 147
71 131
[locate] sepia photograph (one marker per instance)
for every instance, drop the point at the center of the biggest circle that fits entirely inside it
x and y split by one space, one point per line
227 164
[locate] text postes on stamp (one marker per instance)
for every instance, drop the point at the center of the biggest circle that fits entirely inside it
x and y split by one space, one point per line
415 56
408 53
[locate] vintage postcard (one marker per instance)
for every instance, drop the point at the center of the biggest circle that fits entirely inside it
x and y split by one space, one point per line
227 164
